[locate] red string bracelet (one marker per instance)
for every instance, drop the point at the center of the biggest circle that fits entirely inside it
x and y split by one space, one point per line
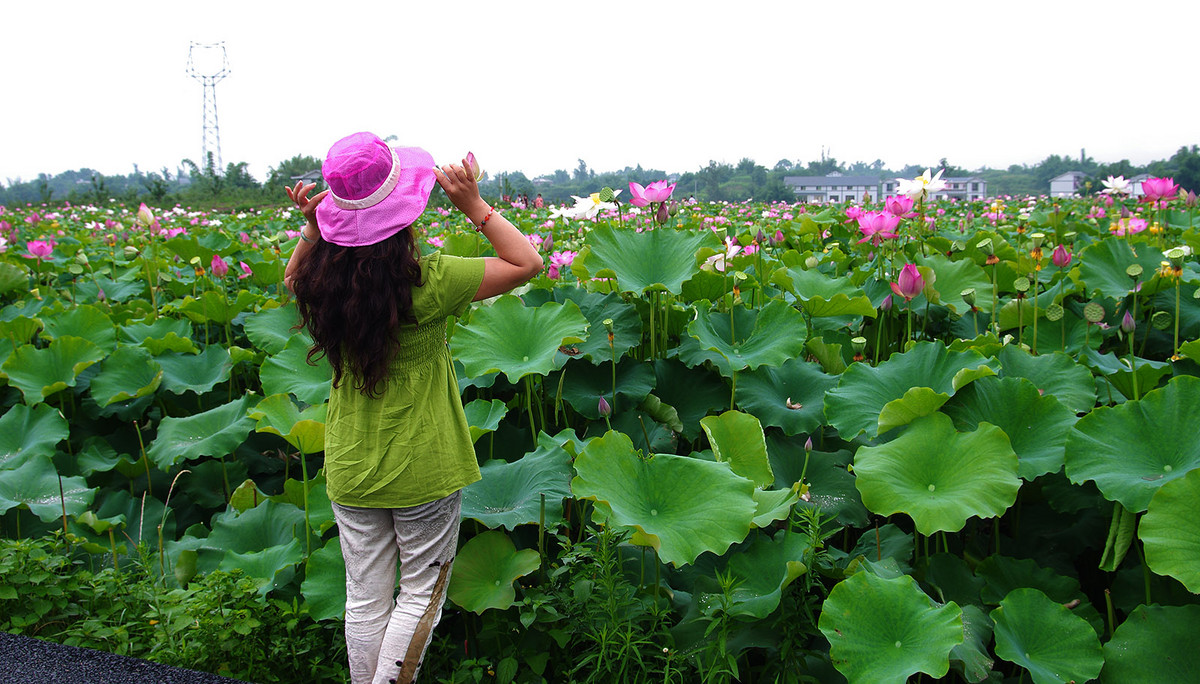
491 210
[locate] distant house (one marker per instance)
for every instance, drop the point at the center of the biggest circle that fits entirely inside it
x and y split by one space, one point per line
1135 184
1067 184
833 188
310 177
957 187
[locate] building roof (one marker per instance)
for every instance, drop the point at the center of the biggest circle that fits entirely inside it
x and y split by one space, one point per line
831 181
1070 175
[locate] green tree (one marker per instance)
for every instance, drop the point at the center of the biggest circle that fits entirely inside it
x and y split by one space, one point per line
282 173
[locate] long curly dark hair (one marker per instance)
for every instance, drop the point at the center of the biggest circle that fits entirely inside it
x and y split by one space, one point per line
354 300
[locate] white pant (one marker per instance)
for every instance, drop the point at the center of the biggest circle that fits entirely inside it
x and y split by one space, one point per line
373 540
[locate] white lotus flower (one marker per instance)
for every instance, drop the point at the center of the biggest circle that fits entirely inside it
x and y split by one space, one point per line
589 207
1116 185
921 186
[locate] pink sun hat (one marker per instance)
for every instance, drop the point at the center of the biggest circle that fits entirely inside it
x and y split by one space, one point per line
375 190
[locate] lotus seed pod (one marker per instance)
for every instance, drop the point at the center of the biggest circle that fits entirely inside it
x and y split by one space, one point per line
1133 271
1175 256
1093 312
606 195
608 324
1161 320
1069 238
1054 312
968 296
986 247
1021 284
858 344
1037 238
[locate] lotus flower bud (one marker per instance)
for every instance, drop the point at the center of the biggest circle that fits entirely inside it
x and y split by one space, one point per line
1127 323
1125 212
1061 256
604 408
82 259
778 238
473 165
606 195
808 445
144 216
673 209
1190 199
759 237
886 304
662 214
130 251
811 262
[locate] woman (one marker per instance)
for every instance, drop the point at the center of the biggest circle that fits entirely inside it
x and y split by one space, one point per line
397 446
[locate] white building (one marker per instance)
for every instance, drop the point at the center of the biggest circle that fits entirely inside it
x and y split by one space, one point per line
833 188
957 187
1067 184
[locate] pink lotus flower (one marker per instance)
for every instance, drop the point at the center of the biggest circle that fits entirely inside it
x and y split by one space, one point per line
3 245
853 214
246 272
436 241
658 191
877 225
910 283
1061 256
899 206
39 249
1128 226
219 266
1156 189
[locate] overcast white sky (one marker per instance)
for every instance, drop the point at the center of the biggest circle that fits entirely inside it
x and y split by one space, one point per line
534 86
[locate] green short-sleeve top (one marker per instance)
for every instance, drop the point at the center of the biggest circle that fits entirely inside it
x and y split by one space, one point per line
412 445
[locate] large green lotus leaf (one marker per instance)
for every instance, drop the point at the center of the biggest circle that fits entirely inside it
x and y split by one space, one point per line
1102 268
708 285
761 572
304 430
1154 644
654 259
198 373
216 307
517 340
916 403
774 504
830 485
85 321
484 416
216 432
1046 639
128 373
955 276
324 585
320 510
585 384
886 543
1036 425
737 439
485 569
939 476
20 330
511 494
161 335
290 372
882 631
693 353
819 295
598 307
693 392
1002 574
774 338
271 568
1170 531
854 406
1055 374
29 432
269 524
1149 374
12 277
38 373
790 396
271 329
36 485
681 506
1133 449
971 658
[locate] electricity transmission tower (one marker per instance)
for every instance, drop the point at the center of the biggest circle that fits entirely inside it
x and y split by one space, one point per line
207 66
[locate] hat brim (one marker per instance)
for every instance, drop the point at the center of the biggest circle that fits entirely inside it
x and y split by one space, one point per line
397 211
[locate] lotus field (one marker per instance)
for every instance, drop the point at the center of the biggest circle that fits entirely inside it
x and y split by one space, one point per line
904 440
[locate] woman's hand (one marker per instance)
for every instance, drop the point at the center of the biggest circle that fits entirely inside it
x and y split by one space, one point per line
307 206
460 186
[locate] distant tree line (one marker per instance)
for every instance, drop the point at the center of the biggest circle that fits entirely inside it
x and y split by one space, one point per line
234 187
